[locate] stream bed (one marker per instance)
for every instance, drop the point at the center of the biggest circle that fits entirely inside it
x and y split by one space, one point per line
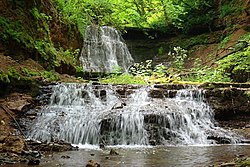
170 156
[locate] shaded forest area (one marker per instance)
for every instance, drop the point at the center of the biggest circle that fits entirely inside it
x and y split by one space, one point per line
198 41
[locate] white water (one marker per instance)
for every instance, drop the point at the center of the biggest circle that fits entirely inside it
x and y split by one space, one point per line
104 50
88 114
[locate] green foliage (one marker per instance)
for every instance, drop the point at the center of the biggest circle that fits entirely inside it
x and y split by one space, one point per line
123 79
205 74
42 20
127 13
179 55
7 77
160 71
141 73
198 73
9 30
237 64
82 12
146 69
4 78
231 7
117 70
186 43
247 94
160 50
46 50
142 69
49 56
245 37
225 41
49 75
199 14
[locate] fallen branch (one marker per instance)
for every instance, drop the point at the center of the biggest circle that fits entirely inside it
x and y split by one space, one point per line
9 113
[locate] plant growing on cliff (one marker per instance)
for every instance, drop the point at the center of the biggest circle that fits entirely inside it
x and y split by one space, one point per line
10 75
237 65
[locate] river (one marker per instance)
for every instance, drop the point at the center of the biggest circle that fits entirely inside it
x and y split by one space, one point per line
184 156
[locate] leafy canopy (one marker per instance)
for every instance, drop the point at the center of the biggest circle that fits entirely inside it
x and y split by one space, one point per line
128 13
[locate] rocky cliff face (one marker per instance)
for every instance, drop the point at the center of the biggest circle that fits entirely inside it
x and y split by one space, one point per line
229 100
34 30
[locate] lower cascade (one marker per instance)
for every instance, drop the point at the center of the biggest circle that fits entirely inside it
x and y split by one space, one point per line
127 115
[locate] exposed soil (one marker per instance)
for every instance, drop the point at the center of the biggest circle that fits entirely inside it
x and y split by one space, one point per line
210 53
8 63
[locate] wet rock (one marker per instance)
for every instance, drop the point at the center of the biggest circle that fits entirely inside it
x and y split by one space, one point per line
152 118
57 146
2 138
105 125
92 163
171 86
1 161
219 140
156 93
9 161
240 155
152 142
23 160
65 156
118 105
228 102
101 146
33 154
18 102
245 141
33 142
170 93
34 162
113 152
228 164
13 144
103 94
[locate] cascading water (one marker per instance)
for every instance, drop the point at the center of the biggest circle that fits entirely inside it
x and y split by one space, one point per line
94 114
104 50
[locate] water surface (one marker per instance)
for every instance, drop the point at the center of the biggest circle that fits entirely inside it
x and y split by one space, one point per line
184 156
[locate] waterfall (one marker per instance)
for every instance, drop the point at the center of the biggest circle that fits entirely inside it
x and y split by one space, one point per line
116 115
104 50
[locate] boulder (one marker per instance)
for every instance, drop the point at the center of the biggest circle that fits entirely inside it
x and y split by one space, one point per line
113 152
34 162
18 102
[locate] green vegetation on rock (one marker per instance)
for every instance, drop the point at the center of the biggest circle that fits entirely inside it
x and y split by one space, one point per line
51 32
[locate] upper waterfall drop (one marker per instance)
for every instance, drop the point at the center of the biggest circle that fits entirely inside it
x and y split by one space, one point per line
104 50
